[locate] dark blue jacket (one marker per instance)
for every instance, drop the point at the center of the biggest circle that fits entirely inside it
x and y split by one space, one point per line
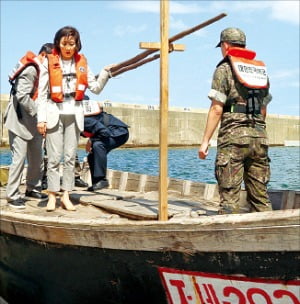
104 125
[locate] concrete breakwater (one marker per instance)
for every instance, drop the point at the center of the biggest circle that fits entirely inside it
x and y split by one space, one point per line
186 125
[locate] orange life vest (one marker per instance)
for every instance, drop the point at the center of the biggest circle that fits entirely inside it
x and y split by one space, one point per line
251 73
25 61
56 77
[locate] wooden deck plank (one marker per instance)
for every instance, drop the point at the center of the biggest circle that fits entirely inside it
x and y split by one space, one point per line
141 207
142 204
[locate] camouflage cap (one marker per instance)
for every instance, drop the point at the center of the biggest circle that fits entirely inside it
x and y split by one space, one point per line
232 35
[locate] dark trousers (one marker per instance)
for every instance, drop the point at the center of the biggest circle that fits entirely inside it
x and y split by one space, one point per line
97 158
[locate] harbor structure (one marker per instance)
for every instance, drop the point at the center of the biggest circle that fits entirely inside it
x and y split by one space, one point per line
186 125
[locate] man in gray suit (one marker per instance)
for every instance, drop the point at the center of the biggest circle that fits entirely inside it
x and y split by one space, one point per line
21 122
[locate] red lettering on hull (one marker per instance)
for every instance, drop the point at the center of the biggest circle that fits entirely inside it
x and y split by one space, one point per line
187 287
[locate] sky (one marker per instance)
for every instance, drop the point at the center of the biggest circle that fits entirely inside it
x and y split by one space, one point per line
112 30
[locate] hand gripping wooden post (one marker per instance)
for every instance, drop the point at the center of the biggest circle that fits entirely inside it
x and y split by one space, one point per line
165 48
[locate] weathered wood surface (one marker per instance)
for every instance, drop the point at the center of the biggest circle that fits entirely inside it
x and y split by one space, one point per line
187 231
125 217
144 206
138 195
281 234
131 205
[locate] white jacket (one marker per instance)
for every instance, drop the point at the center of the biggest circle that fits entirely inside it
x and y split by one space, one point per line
48 110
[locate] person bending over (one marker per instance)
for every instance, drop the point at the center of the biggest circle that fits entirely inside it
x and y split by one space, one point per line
106 132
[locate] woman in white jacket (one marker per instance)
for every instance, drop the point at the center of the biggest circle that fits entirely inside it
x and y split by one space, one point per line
63 82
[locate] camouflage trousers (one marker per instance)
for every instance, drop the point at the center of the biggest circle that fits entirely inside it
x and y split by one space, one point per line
238 163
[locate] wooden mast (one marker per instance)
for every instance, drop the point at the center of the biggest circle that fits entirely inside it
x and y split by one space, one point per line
164 100
165 47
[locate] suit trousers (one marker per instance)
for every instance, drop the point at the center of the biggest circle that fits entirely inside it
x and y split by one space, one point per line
22 149
61 144
97 158
77 165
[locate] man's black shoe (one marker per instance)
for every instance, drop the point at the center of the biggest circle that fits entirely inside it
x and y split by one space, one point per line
98 186
80 183
36 194
17 204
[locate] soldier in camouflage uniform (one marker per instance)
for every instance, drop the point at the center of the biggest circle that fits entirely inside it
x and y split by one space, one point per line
242 152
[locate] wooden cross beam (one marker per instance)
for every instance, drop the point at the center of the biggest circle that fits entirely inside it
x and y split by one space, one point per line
157 46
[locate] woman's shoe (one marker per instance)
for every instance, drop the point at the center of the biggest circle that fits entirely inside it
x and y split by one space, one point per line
67 205
51 205
51 201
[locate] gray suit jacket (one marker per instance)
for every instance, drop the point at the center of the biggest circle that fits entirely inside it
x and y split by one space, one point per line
20 115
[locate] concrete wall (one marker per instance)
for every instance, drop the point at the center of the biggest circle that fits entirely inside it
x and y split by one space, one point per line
186 125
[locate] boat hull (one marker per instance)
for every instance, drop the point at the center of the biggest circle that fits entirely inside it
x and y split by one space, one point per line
113 249
38 272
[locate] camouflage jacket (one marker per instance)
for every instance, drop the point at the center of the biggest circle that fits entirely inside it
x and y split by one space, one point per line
236 128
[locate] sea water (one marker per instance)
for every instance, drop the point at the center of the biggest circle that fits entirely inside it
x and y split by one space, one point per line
183 163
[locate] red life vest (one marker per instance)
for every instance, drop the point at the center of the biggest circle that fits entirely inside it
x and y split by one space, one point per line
25 61
56 77
251 73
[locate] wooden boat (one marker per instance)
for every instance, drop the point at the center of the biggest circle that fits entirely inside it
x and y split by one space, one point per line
114 250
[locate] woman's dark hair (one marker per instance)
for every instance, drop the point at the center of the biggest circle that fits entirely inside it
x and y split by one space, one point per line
67 31
47 48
